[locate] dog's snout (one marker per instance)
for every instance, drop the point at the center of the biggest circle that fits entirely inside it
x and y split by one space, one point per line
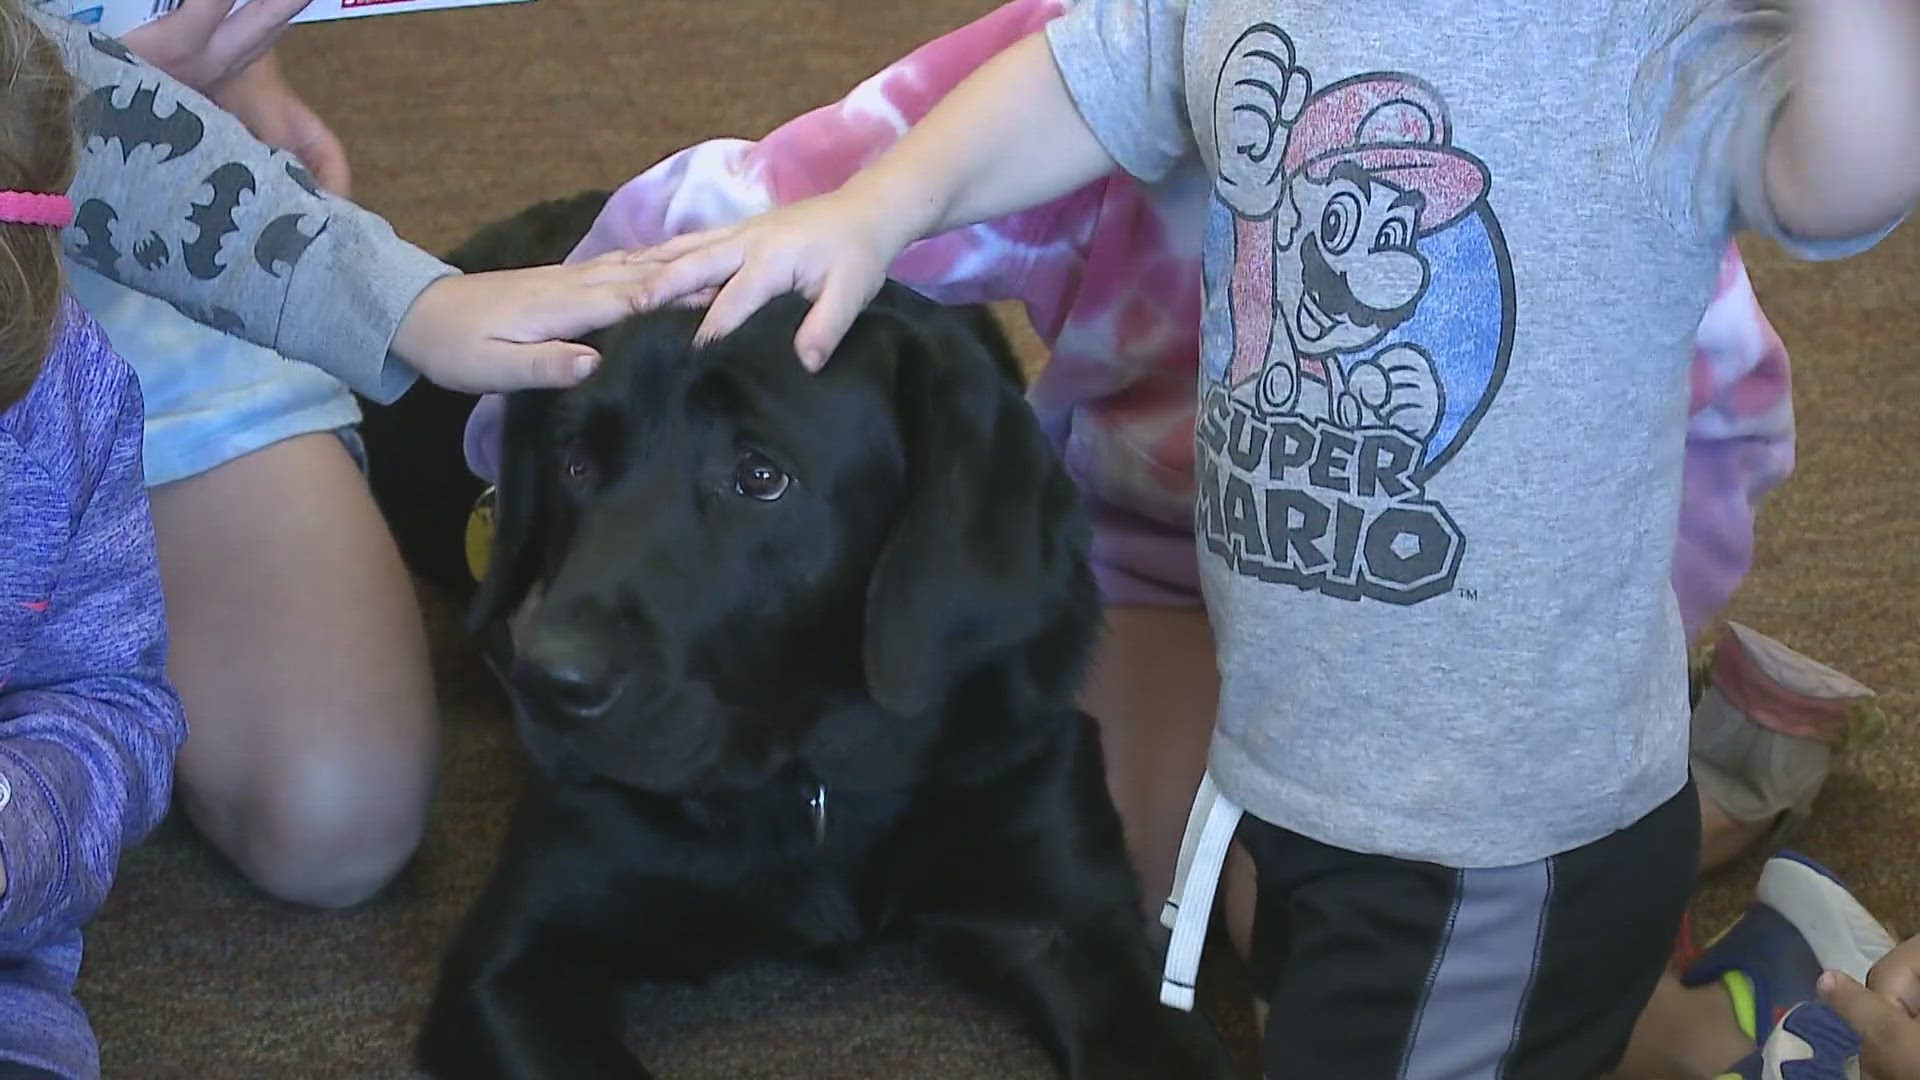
569 670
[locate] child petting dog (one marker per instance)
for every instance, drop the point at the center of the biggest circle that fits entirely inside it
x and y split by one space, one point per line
1128 400
1436 504
89 720
296 641
1764 727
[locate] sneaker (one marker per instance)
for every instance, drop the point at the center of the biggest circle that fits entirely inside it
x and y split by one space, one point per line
1810 1042
1803 922
1840 930
1765 726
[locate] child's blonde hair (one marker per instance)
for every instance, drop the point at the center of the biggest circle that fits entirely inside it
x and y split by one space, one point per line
36 154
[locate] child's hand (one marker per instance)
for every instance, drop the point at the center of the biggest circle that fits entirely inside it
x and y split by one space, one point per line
1897 976
834 249
509 329
262 99
203 43
1884 1015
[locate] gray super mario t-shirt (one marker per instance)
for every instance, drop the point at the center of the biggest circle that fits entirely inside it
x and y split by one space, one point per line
1454 264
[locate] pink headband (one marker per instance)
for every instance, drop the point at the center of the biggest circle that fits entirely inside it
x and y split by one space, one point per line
34 208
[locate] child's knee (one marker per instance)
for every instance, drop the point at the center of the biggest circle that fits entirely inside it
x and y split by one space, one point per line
328 829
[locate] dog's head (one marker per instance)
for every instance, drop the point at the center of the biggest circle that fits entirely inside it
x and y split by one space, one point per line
718 544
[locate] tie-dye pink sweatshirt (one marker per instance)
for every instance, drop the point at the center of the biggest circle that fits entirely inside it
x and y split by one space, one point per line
1110 278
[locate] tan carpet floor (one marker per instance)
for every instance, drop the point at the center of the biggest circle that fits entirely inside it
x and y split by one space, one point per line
456 119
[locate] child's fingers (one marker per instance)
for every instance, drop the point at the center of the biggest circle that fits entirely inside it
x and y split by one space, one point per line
607 270
202 15
614 262
242 38
1896 977
706 268
572 312
697 299
549 364
737 299
842 296
257 22
1874 1017
669 250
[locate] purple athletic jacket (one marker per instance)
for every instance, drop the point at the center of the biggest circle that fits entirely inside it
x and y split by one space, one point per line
89 723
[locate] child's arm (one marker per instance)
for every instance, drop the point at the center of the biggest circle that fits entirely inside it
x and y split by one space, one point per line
1844 158
176 199
1021 130
89 724
1041 257
1005 139
720 182
1795 119
204 43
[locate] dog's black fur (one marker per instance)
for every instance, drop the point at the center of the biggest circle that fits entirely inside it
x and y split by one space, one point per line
741 585
416 466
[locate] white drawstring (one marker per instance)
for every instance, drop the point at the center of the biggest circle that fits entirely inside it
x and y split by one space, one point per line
1189 907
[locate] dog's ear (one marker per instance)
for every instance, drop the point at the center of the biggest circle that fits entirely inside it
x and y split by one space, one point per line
519 493
990 543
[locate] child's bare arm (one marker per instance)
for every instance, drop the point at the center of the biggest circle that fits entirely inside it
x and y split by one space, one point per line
1845 155
204 43
1006 138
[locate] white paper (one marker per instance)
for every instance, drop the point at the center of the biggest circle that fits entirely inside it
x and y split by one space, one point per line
116 17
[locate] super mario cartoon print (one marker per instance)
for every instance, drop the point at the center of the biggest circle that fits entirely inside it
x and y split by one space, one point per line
1358 271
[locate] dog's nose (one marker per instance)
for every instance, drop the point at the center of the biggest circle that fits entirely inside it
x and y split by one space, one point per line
568 670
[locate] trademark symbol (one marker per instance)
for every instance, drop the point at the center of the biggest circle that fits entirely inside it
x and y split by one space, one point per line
1467 594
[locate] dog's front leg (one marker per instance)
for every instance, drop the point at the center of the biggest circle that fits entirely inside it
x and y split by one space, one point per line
1027 893
526 991
1086 989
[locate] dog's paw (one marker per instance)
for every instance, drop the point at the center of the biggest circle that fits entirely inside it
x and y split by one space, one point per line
1167 1045
826 918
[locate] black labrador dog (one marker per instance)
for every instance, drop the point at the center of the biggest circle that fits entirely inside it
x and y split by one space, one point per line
794 661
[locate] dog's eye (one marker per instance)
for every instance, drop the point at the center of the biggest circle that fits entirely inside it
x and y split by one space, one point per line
577 469
757 478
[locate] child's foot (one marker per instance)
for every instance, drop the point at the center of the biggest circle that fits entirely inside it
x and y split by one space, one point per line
1802 923
1764 729
1810 1042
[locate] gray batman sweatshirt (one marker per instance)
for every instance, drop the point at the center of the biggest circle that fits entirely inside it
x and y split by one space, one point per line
176 199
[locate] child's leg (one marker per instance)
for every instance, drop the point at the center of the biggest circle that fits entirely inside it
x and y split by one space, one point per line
300 656
1684 1034
43 1031
1154 688
1763 737
296 643
1374 967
